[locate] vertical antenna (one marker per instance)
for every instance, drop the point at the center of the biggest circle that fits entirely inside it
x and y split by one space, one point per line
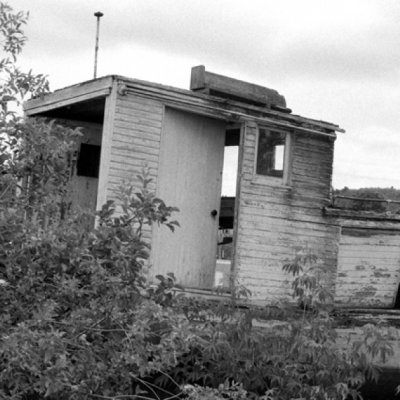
98 15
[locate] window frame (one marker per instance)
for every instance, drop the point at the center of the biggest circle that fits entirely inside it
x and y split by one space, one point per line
284 180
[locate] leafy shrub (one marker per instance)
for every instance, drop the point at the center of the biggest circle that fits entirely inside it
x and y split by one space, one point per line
226 390
279 352
309 280
78 318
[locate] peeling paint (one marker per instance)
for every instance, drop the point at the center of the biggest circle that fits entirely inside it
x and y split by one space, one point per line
379 274
367 291
368 232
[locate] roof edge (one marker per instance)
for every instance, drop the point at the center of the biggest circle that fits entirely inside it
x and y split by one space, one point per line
100 87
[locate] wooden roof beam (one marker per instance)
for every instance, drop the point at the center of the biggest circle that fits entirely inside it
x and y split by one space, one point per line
71 95
235 89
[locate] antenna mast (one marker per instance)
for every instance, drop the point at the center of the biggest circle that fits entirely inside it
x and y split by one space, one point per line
98 15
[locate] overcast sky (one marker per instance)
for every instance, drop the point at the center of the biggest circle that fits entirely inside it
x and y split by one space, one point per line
334 60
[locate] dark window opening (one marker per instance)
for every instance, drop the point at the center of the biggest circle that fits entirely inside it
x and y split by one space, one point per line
397 300
89 160
271 153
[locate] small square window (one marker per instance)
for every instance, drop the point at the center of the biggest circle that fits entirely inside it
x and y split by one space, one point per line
271 153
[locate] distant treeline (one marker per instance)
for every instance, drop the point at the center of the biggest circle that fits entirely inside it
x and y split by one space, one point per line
367 199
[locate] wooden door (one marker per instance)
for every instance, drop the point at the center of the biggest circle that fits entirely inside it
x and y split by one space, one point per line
190 174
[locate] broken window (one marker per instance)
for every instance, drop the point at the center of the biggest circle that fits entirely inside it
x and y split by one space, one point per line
271 153
89 160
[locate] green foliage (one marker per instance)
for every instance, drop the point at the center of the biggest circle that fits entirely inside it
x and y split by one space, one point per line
34 155
227 390
78 317
16 85
309 283
367 199
143 207
279 353
168 291
34 181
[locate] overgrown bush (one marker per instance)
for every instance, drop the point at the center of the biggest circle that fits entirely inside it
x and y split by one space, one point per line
283 352
77 317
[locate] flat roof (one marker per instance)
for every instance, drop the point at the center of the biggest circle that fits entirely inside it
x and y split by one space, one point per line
202 103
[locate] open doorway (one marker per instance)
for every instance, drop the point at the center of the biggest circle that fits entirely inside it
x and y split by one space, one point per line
226 226
88 116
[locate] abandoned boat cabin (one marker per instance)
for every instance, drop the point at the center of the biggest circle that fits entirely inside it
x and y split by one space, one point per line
283 184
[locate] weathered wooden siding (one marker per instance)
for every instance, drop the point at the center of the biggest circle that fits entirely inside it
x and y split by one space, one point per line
275 219
368 267
135 143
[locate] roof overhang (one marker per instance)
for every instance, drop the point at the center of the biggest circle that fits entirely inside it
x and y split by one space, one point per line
82 92
196 102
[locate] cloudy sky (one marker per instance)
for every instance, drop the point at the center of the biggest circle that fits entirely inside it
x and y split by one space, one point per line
335 60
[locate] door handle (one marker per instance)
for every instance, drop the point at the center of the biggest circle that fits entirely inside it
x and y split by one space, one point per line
214 213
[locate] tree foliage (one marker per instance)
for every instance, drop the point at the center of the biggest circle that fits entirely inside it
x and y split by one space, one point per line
16 84
280 352
77 317
368 199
